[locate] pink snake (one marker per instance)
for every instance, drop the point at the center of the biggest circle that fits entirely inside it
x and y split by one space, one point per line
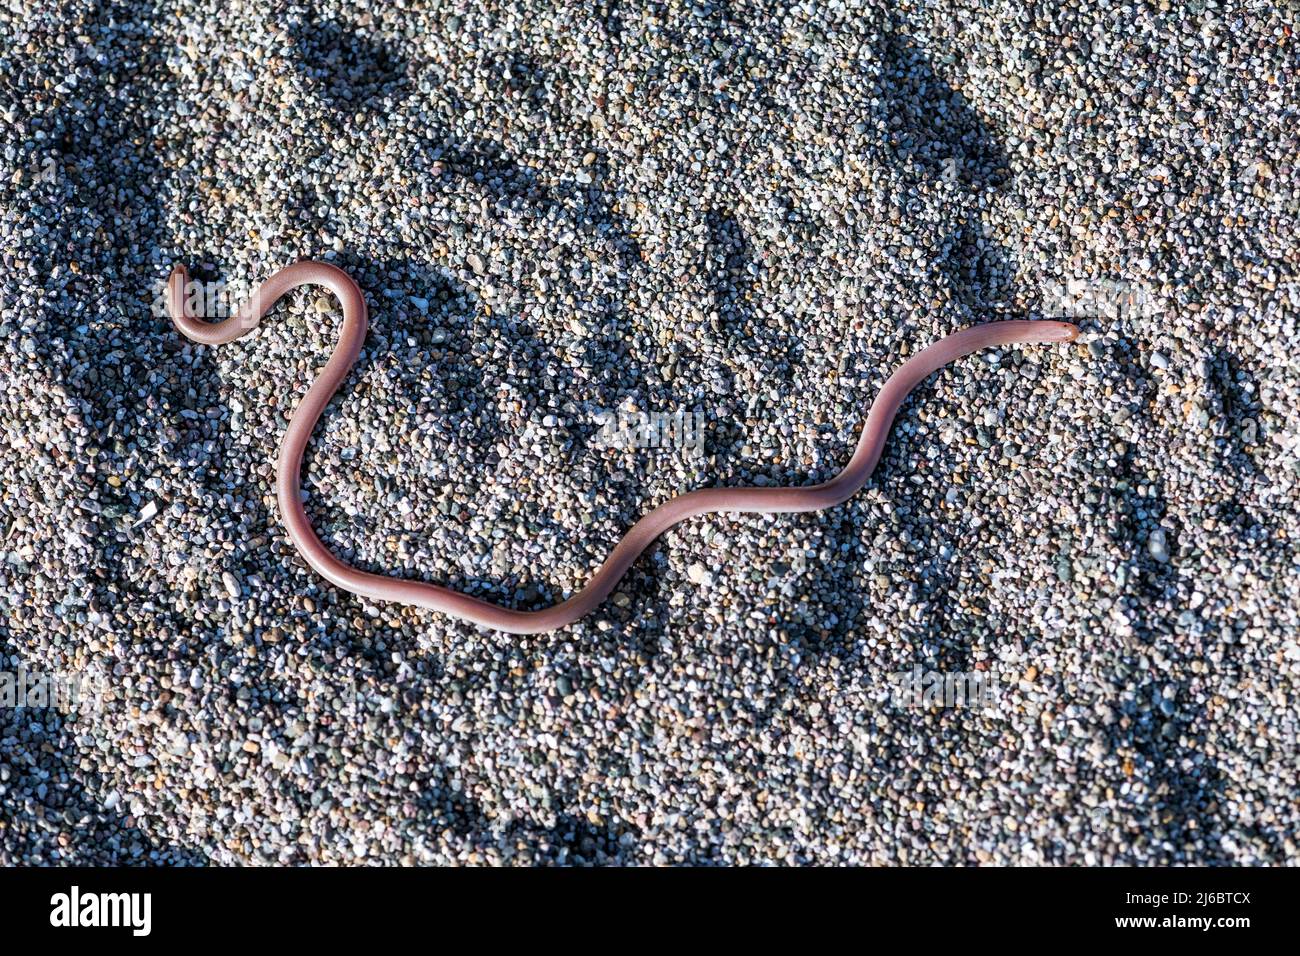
756 500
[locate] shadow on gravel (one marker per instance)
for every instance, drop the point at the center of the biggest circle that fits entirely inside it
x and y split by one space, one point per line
49 807
1162 734
1162 730
1167 730
571 840
508 182
349 67
465 361
930 125
731 268
98 221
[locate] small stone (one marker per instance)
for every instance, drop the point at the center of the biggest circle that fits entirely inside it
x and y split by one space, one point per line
147 512
1158 546
699 574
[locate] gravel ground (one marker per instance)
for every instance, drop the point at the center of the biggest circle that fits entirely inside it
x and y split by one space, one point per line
749 211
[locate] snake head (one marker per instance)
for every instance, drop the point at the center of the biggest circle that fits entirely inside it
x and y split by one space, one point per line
1061 332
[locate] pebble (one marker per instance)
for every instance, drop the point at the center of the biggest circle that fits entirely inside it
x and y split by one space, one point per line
699 574
1158 545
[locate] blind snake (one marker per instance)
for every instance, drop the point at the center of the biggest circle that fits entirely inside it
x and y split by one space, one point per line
383 588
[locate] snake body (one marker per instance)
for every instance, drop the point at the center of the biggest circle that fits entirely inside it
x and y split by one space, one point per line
643 533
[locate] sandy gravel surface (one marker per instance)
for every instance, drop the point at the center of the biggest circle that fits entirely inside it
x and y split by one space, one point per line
564 213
